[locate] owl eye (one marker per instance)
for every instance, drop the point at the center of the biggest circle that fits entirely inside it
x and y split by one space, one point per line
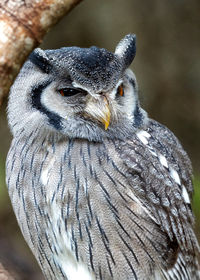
69 91
120 90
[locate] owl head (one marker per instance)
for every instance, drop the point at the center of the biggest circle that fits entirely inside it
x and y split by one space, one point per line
77 93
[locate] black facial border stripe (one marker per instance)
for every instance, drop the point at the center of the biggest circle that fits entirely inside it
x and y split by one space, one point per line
138 116
36 93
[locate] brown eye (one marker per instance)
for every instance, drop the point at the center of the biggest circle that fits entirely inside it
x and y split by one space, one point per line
69 91
120 90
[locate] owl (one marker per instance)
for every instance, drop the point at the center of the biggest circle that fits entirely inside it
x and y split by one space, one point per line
100 190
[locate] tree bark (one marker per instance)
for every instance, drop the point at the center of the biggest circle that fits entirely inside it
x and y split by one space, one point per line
23 24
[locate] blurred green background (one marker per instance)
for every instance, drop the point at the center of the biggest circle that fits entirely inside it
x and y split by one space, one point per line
167 66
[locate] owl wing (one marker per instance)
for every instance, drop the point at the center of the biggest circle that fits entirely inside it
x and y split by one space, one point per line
168 145
159 171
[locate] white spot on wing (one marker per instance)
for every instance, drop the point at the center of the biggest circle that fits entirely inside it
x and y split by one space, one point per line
143 136
185 195
175 176
163 160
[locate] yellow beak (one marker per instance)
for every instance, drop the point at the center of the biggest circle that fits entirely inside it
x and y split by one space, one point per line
99 109
106 112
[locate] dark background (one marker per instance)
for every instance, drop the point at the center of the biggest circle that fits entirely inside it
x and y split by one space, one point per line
167 66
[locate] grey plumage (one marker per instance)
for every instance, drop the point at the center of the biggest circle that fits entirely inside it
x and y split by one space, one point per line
100 191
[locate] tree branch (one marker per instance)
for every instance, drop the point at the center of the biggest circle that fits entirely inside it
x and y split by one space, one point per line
23 24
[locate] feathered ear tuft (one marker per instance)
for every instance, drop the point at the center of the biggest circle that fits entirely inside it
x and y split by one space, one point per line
40 59
126 49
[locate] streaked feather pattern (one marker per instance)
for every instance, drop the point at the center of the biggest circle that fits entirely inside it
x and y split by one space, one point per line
104 205
100 191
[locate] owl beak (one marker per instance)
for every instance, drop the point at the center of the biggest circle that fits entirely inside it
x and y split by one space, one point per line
99 109
106 114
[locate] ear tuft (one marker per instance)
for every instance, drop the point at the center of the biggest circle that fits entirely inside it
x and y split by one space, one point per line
40 59
126 49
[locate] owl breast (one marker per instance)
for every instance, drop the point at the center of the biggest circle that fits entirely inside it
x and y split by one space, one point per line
83 210
61 240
